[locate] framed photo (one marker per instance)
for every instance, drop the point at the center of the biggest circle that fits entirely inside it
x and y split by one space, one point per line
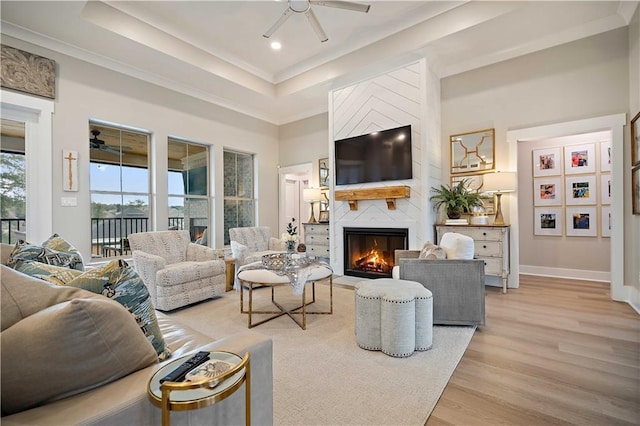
324 216
605 156
580 190
547 162
581 222
474 182
548 221
635 189
605 228
605 189
488 201
635 141
547 191
579 159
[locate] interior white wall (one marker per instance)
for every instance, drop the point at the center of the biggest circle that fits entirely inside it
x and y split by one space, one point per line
582 79
305 141
85 92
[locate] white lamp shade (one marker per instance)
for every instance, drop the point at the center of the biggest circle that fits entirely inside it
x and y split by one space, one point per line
499 182
312 195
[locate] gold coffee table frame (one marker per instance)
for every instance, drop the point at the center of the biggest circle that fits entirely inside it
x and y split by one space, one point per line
298 310
214 389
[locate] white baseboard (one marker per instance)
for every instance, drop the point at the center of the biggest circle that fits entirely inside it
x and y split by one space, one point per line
570 274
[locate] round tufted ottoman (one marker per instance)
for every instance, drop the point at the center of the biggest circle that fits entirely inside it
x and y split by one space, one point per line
393 316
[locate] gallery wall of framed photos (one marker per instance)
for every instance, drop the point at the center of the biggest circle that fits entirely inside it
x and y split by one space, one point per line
572 190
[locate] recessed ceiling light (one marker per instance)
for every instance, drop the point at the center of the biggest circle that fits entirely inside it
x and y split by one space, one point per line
275 45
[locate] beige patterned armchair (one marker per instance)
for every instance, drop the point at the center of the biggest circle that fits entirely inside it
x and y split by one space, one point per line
176 271
249 244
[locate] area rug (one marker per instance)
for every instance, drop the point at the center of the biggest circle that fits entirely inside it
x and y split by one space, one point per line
321 377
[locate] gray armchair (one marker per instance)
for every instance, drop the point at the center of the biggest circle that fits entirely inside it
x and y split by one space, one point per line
457 286
176 271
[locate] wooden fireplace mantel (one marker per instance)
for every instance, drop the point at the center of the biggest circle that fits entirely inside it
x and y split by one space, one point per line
387 193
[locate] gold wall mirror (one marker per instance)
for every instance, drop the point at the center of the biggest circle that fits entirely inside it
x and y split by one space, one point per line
473 152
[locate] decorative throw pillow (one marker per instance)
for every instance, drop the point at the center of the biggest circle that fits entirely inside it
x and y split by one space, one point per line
67 256
457 246
23 295
120 282
431 251
68 348
57 275
239 251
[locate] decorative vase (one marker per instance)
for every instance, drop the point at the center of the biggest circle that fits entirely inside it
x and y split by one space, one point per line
291 246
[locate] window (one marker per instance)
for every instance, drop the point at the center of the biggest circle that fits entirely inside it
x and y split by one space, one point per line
189 198
12 182
119 182
239 203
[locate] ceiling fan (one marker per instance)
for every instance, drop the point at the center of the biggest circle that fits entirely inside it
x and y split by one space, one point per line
304 6
95 143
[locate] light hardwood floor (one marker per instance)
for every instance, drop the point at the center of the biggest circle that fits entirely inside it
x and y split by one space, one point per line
553 352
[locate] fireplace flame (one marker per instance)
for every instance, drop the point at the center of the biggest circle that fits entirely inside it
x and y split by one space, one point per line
372 261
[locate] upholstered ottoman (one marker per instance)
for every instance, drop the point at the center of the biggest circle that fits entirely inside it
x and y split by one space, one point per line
393 316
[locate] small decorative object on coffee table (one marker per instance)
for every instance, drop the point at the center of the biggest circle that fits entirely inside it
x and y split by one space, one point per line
291 236
201 390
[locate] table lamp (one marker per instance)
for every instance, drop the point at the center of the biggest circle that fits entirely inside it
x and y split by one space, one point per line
499 183
312 195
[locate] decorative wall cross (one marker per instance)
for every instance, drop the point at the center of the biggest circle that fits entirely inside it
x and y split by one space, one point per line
70 170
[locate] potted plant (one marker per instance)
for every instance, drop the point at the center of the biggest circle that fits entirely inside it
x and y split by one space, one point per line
456 199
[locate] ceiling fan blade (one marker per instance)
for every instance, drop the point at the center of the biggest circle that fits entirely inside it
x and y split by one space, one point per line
111 150
313 20
357 7
278 23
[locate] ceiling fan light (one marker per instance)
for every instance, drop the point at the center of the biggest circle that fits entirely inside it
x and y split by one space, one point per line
299 6
275 45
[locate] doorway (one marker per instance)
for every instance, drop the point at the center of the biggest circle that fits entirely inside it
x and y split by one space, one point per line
293 181
615 125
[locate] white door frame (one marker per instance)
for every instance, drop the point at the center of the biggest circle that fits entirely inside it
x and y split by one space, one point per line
614 123
36 113
282 174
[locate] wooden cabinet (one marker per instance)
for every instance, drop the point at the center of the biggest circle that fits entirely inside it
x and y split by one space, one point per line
316 238
491 245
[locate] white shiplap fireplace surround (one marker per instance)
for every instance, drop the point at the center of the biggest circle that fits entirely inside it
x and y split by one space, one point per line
409 94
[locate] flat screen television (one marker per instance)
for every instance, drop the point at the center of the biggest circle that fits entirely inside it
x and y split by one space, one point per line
375 157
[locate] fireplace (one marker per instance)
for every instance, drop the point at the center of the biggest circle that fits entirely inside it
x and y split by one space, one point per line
369 252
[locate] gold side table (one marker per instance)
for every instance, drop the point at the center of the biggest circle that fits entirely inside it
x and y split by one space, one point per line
182 396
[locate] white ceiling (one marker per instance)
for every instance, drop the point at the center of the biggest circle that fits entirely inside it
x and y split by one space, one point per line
214 50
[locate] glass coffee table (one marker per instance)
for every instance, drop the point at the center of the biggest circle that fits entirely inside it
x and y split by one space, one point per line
200 393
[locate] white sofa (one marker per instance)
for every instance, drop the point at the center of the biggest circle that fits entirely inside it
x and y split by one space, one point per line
124 401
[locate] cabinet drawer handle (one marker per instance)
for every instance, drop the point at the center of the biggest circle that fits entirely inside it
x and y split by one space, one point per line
484 233
485 263
484 246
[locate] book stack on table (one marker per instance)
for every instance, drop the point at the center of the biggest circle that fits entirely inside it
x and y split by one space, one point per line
456 222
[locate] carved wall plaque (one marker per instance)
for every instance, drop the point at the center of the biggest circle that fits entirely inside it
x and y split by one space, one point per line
26 72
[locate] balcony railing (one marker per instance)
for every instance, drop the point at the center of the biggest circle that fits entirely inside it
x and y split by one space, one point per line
12 229
108 236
